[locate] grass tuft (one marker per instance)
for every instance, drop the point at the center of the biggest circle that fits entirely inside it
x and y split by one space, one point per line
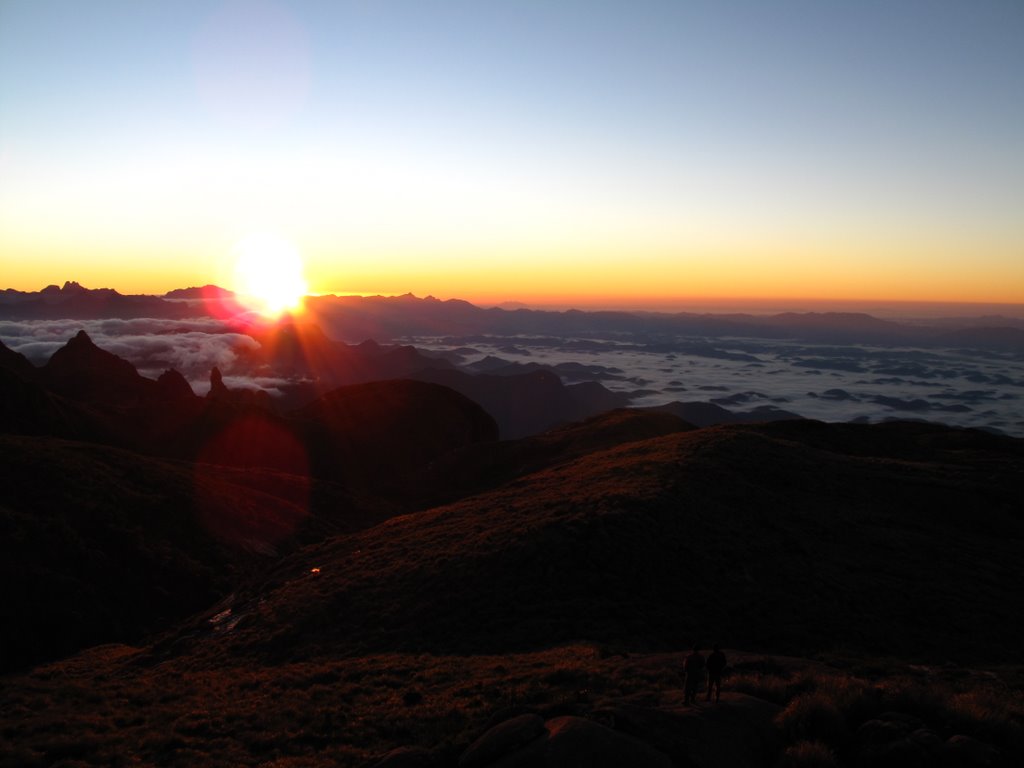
808 754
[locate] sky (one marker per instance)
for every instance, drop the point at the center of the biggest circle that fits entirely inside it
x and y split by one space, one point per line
589 152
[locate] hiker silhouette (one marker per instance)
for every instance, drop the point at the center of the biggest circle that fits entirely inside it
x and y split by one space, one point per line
693 669
715 665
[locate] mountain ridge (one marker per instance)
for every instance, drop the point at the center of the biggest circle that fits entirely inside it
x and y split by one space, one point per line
356 318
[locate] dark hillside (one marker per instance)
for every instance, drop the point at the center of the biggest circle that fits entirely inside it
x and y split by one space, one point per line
482 467
16 363
26 408
99 544
902 540
374 435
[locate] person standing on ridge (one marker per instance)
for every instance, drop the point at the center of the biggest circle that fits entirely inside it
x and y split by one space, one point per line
693 669
716 665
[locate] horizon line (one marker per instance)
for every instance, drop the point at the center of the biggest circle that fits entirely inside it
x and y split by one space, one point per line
652 304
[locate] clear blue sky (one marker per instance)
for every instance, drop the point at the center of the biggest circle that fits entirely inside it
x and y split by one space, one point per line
826 146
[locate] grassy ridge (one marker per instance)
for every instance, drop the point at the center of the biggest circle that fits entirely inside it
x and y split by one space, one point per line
760 539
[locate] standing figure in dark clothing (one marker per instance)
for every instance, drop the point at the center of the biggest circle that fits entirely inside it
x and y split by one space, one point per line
715 664
693 668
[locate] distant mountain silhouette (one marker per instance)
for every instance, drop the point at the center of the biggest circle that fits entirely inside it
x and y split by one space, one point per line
853 321
521 405
302 350
384 318
203 292
74 301
708 414
526 404
84 372
986 337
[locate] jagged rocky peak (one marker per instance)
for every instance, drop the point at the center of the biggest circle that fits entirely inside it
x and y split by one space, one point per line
174 386
81 353
80 349
83 371
217 387
70 286
81 339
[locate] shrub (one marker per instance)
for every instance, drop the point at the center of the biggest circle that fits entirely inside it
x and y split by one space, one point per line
813 717
855 698
768 687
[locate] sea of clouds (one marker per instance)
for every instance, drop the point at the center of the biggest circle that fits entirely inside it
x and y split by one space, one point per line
192 347
962 387
851 382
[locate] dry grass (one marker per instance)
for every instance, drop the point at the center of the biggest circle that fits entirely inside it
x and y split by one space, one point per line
824 709
341 712
110 707
808 754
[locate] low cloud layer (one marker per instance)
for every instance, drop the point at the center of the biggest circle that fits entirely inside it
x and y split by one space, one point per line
829 382
851 382
192 347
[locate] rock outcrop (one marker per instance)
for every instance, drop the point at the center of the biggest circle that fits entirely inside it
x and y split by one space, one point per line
529 742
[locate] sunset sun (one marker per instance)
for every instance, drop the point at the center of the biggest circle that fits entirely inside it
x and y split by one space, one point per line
269 274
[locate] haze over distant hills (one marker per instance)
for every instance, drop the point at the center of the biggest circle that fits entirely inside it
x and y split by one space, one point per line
387 317
826 365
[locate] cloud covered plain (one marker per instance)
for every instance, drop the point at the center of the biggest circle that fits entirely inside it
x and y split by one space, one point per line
851 382
847 382
192 347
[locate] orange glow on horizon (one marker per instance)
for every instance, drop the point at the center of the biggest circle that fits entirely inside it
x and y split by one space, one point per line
275 277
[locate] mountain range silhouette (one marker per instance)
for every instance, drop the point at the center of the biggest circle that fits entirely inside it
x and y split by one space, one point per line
384 318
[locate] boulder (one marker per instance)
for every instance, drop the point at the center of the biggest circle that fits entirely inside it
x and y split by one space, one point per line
575 742
737 731
970 752
502 739
875 732
562 742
